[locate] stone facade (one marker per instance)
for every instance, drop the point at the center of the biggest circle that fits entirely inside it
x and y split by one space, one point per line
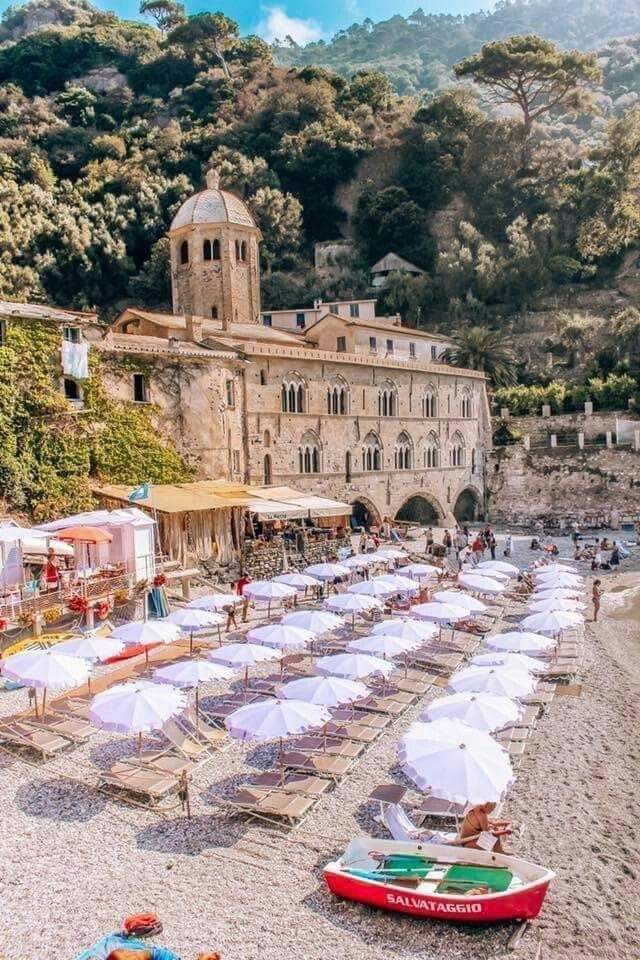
352 405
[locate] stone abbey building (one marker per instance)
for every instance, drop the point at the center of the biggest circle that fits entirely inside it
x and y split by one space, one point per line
329 399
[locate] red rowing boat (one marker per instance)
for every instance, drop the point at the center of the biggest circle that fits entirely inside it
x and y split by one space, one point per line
439 882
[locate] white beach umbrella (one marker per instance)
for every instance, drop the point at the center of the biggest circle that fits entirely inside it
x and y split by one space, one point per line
327 571
517 661
372 588
352 603
455 762
482 711
502 681
459 599
479 584
301 581
406 628
520 641
553 622
440 612
193 619
46 670
551 593
421 571
216 601
243 655
91 647
392 553
317 621
497 575
326 691
191 673
383 645
136 707
555 603
281 636
353 666
275 719
499 566
555 580
399 583
379 557
548 568
146 633
358 561
269 591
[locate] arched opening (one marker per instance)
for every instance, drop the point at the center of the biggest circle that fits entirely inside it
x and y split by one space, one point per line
184 252
418 510
72 390
364 514
215 250
266 438
347 466
263 378
243 250
467 506
267 469
206 250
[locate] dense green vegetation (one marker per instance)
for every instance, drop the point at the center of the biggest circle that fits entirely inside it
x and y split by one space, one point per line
515 180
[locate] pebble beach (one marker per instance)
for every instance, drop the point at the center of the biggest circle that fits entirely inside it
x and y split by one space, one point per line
73 863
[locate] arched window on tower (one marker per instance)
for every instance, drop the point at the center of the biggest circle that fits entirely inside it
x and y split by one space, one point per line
457 456
309 453
372 452
388 399
215 250
237 247
267 469
293 394
243 250
403 453
432 451
184 252
338 397
206 250
466 404
347 466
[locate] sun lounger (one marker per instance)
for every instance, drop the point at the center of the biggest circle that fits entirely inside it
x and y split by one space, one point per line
273 806
291 782
352 731
198 728
18 733
362 717
186 745
140 780
158 761
75 706
324 744
73 729
317 762
406 685
390 690
386 705
400 826
434 807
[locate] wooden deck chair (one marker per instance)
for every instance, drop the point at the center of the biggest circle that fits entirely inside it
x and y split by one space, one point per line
322 764
20 734
272 806
138 779
333 746
291 782
74 729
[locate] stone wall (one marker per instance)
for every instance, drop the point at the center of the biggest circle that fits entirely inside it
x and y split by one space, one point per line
557 485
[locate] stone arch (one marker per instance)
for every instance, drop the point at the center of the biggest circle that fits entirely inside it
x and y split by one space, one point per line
421 508
365 512
309 453
468 505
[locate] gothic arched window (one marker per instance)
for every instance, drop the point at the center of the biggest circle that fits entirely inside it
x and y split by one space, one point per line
432 451
466 405
388 400
206 250
293 394
430 403
184 252
372 452
457 454
403 454
215 250
309 453
338 397
243 250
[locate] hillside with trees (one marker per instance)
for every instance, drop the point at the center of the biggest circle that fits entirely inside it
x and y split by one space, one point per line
510 185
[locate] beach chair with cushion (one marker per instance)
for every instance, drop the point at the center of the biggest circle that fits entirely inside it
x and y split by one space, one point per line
362 717
351 731
158 761
334 746
386 705
74 729
22 735
322 764
291 782
271 805
400 826
154 786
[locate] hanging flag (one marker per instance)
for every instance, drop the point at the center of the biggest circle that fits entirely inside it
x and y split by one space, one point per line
143 492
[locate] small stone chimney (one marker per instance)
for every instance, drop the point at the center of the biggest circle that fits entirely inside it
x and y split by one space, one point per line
194 328
213 179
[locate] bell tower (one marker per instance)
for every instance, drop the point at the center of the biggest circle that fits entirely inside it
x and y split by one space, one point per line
215 257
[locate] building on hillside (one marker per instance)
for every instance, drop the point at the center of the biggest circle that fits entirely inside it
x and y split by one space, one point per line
329 399
349 405
391 263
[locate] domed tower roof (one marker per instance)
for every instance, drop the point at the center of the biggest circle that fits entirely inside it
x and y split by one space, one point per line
213 205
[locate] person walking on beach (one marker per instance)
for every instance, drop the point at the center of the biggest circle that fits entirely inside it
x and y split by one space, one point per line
596 595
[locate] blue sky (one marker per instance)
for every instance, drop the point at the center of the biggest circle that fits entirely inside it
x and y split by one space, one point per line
304 20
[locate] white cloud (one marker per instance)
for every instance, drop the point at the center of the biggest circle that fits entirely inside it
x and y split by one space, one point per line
276 23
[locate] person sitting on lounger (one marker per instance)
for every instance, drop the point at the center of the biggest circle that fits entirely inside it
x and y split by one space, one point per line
477 821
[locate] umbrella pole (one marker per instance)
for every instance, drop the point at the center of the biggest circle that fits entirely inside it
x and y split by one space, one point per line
197 709
246 681
191 643
44 700
139 744
281 761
